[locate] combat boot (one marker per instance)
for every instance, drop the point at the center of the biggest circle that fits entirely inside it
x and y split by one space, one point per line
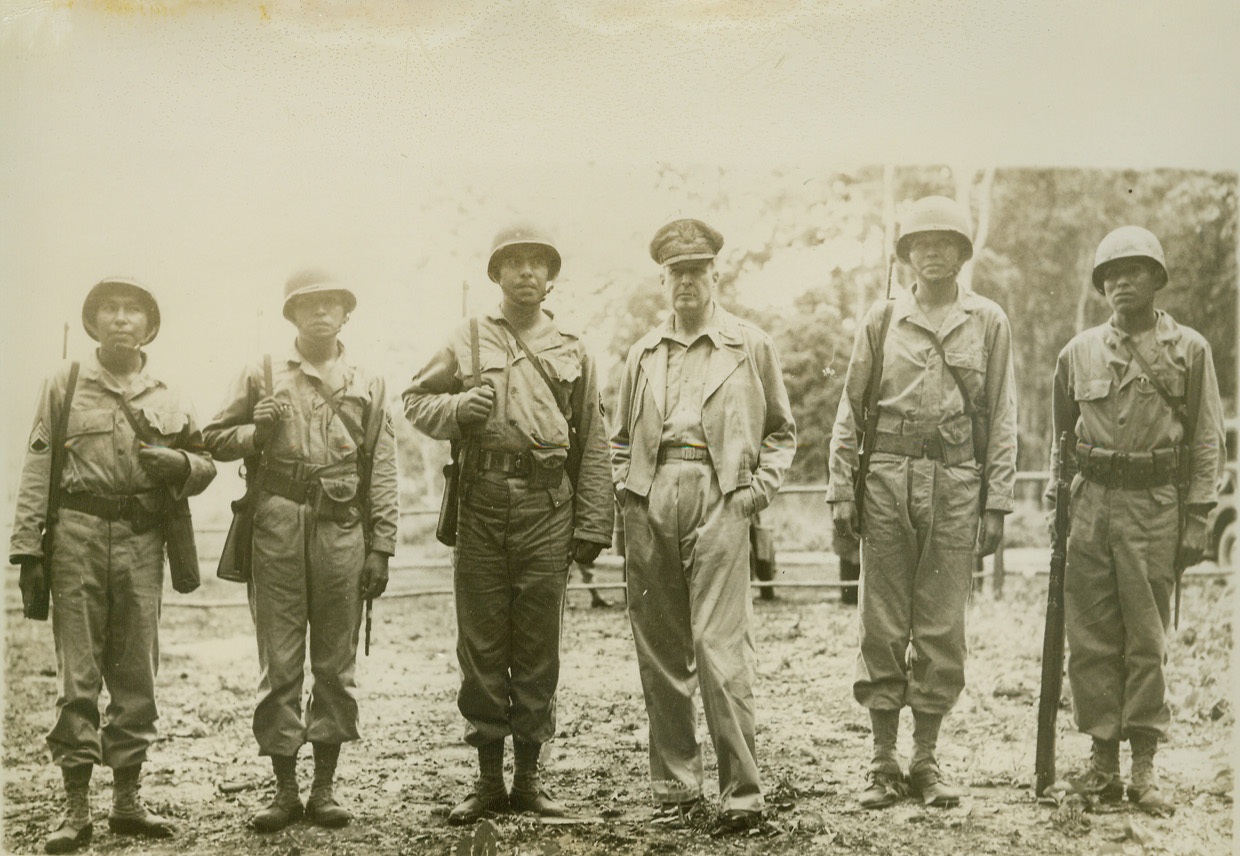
75 829
1101 779
489 795
1143 789
322 808
925 779
285 807
528 794
129 816
884 782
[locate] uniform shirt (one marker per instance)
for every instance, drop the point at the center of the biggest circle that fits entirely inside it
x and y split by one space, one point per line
525 414
687 362
102 448
311 434
918 392
1103 396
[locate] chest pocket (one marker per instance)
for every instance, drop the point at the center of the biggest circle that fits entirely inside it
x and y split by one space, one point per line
82 425
339 440
1171 381
1091 389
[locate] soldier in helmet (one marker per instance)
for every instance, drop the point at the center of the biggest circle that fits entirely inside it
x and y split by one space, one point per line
703 437
1138 400
107 562
945 403
521 396
324 528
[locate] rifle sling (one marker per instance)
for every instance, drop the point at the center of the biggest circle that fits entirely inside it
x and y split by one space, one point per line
870 425
555 395
60 434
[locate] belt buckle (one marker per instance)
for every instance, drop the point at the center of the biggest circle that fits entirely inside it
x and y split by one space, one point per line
1119 469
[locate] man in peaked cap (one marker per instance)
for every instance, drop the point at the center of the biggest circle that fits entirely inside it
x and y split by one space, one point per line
1138 400
703 437
945 403
107 550
325 519
520 396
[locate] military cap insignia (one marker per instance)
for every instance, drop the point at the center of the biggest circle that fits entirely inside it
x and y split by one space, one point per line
40 441
683 240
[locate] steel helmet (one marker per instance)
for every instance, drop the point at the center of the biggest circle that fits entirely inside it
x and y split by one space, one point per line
90 306
314 282
518 235
1128 242
936 214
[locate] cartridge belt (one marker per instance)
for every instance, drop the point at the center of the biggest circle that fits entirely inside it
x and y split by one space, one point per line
1129 470
517 464
126 507
910 445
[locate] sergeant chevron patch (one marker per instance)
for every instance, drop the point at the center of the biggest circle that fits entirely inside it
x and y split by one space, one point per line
40 442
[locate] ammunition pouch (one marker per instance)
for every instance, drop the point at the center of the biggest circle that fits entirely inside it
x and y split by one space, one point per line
542 468
333 495
1130 470
951 442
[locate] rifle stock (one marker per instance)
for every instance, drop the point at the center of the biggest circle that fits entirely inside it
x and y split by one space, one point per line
1053 638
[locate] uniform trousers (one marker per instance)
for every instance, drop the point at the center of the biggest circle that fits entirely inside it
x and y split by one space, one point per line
307 571
512 551
107 589
687 556
1117 607
917 543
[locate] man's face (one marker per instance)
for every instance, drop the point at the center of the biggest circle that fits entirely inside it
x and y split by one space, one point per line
319 316
1129 285
690 285
523 275
121 322
934 255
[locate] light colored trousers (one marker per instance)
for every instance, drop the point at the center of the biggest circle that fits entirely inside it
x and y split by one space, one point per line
1117 606
917 542
687 554
107 589
307 572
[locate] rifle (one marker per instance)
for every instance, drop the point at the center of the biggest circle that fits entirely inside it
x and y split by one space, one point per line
869 413
40 608
1052 640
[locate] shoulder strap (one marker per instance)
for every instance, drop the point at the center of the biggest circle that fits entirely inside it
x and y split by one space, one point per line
60 433
1177 407
140 426
555 395
955 372
357 432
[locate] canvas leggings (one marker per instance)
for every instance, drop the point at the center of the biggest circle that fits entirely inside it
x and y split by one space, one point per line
917 543
307 572
107 590
1117 607
512 551
687 554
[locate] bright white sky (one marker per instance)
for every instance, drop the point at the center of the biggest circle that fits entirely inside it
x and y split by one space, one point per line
210 149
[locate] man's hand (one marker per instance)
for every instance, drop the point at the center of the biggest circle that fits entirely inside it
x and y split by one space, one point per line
164 465
847 523
1192 541
374 574
989 532
267 413
585 552
34 594
475 405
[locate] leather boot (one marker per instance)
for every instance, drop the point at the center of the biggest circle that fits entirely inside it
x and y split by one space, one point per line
129 816
322 808
528 793
1143 789
75 829
885 781
924 776
285 807
1100 779
489 795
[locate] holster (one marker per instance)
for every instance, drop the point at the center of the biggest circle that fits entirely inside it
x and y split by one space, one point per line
450 505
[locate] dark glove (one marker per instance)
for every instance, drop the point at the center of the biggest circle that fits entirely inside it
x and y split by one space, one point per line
585 552
35 600
164 465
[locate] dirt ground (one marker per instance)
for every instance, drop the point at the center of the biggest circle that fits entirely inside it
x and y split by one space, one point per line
411 766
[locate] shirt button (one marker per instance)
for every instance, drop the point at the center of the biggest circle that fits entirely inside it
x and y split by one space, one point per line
1122 420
